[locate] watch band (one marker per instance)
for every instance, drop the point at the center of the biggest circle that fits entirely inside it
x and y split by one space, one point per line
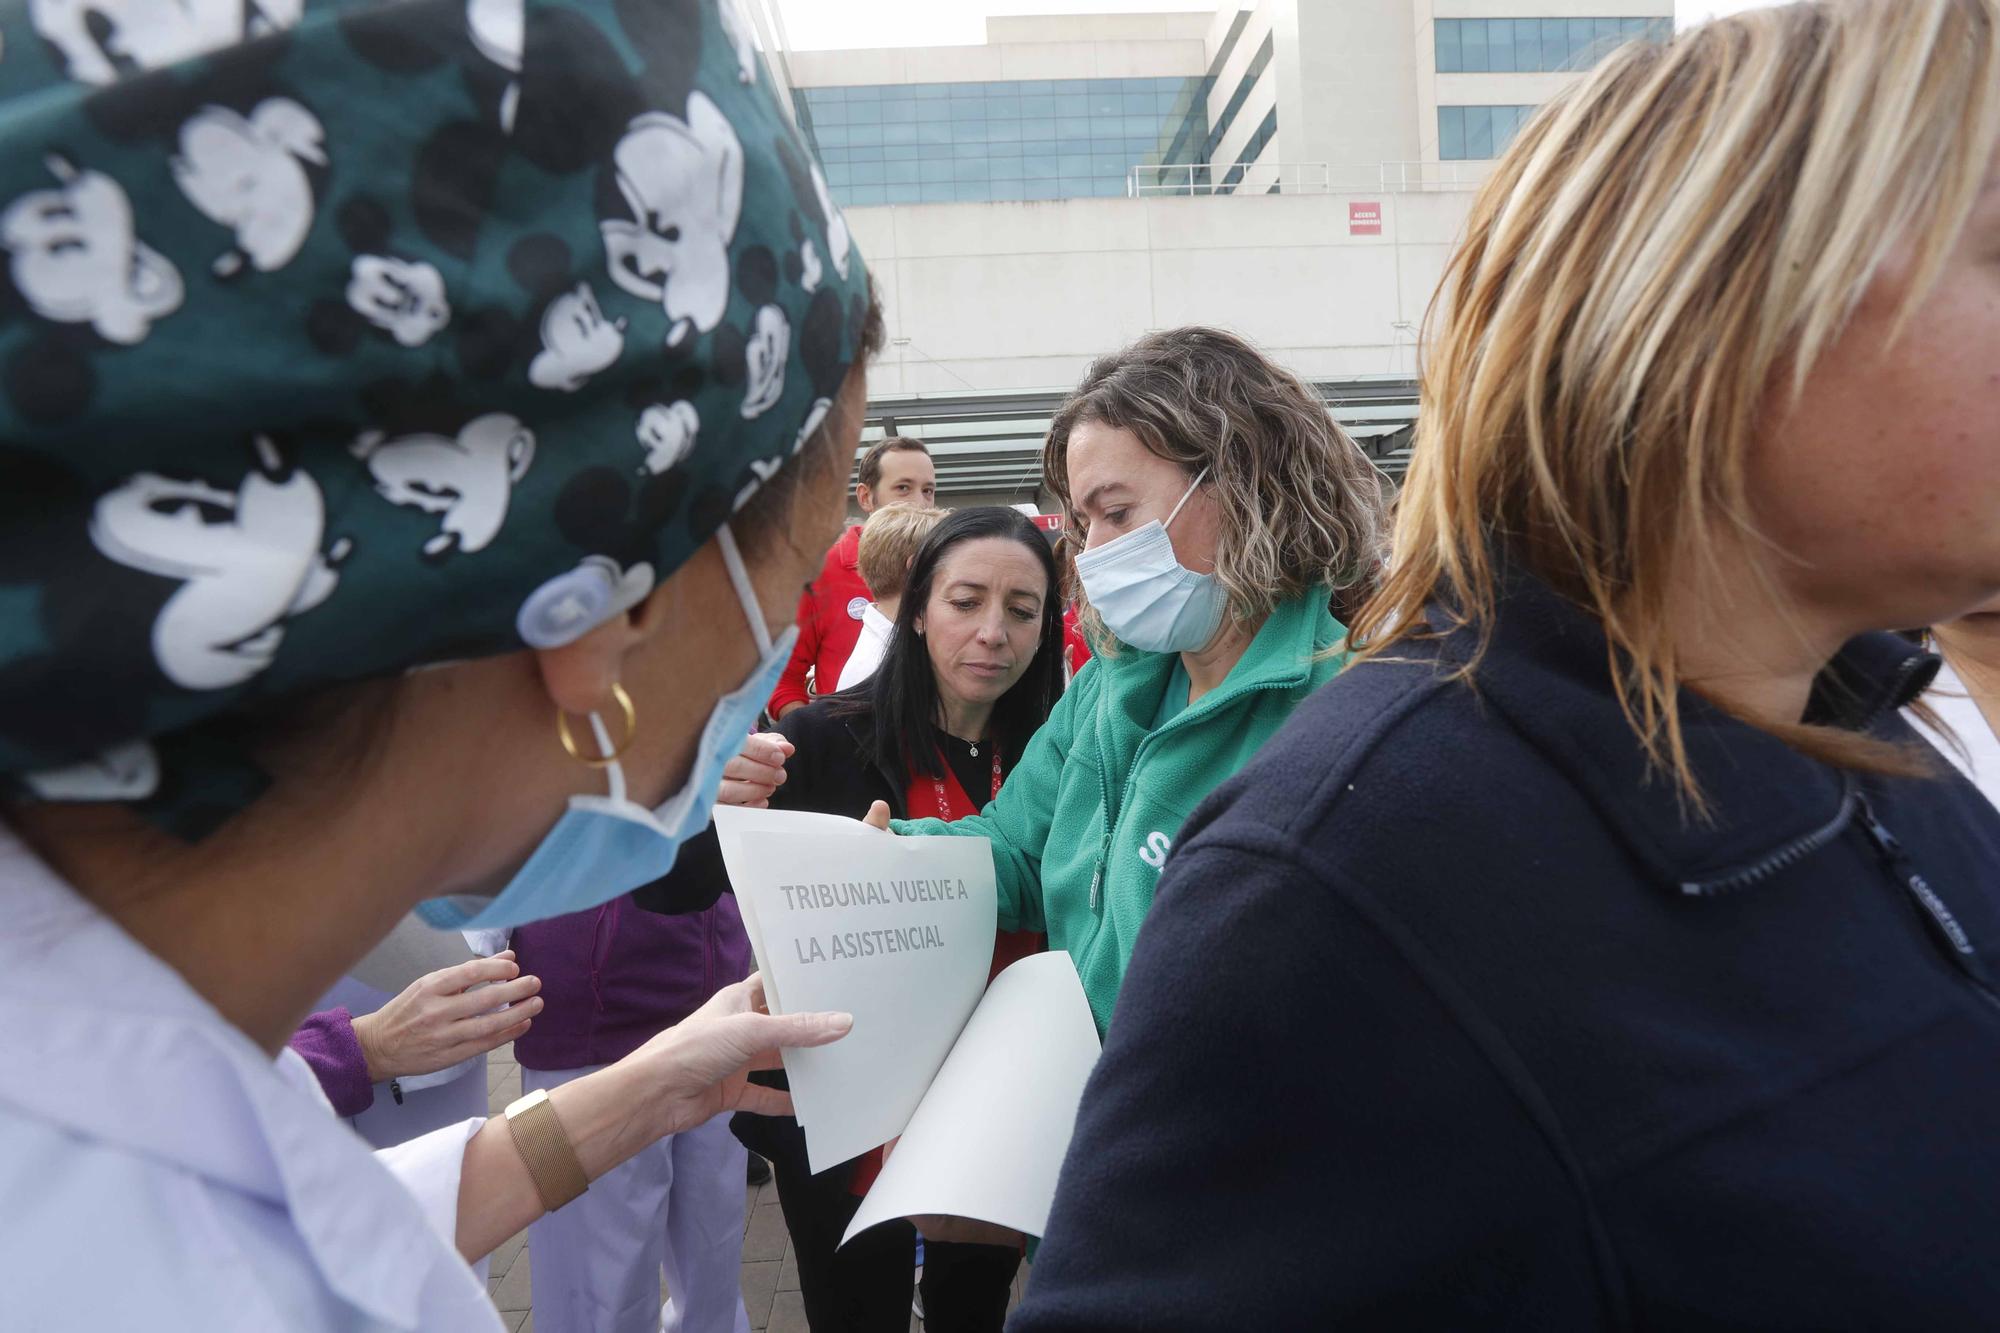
545 1149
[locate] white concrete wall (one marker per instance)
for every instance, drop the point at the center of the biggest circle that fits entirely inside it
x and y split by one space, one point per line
1263 96
1549 9
1357 74
1169 26
1022 296
996 63
1255 30
1268 169
1220 23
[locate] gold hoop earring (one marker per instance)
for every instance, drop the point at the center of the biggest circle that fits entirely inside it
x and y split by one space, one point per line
604 761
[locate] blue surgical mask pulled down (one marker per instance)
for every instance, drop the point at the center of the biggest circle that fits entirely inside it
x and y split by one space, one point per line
605 846
1148 598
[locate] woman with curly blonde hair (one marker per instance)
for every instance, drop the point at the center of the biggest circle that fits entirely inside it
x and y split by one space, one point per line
1221 512
1604 950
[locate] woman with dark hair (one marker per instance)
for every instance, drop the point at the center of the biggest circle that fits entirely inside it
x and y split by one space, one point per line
970 675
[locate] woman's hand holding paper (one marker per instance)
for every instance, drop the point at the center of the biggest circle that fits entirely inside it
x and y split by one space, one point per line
700 1068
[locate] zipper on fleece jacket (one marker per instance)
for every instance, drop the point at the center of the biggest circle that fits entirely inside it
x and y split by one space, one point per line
1939 922
1789 855
1113 813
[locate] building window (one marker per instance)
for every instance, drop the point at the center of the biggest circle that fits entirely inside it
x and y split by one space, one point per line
1027 139
1255 71
1537 46
1470 133
1253 148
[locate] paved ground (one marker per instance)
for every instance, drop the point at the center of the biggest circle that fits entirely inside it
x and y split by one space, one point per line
770 1274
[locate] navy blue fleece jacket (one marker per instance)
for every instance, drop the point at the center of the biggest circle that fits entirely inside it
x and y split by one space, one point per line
1446 1017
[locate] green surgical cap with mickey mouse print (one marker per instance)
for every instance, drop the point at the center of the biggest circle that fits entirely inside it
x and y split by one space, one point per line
337 339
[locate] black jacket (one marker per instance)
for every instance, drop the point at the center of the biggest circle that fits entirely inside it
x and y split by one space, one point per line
829 773
1445 1017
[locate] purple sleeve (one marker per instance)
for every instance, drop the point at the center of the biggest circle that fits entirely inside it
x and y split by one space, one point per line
327 1042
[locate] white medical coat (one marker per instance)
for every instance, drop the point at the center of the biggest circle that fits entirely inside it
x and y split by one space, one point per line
869 649
1977 754
160 1172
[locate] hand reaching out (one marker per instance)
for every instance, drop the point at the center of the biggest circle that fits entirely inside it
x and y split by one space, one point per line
701 1066
756 772
440 1019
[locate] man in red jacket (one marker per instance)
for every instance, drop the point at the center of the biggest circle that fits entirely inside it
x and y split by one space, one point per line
896 470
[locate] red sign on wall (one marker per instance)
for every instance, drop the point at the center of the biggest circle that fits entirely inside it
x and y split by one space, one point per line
1049 522
1364 219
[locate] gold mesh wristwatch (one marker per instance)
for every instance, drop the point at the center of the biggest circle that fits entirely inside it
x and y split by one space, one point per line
545 1149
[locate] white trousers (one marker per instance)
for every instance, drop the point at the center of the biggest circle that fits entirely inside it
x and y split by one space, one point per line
595 1263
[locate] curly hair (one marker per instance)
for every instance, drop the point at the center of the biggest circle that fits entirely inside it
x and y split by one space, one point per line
1301 506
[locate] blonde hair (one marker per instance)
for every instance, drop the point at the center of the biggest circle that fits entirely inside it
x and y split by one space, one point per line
889 541
1668 242
1300 504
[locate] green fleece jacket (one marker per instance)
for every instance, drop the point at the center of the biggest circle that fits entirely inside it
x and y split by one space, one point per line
1090 811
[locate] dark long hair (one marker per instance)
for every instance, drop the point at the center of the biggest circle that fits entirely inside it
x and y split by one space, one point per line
903 693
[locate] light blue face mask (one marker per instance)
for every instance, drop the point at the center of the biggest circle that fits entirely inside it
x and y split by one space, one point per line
1148 598
604 846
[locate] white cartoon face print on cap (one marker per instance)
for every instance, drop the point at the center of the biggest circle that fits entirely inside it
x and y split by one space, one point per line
573 603
128 772
100 39
249 174
667 432
499 29
764 355
839 243
75 260
468 479
577 341
683 182
402 297
247 559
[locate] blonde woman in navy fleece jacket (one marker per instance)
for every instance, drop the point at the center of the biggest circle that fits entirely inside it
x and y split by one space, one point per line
1603 950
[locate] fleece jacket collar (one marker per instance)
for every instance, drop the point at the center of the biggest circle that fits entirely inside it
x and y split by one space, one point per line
1280 656
1547 671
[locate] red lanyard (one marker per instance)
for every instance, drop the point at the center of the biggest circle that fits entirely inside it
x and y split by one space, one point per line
944 801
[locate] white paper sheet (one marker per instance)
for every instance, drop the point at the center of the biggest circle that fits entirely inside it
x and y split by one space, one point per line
896 931
990 1135
733 822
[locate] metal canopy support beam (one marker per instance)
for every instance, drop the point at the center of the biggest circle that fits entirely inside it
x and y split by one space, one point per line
993 441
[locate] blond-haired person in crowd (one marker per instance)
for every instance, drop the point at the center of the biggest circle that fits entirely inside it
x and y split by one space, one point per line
889 541
1602 949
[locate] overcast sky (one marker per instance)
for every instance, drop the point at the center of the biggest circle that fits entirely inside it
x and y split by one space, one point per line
815 25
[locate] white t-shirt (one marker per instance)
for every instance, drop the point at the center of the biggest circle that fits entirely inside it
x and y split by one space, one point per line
869 650
1955 708
163 1173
